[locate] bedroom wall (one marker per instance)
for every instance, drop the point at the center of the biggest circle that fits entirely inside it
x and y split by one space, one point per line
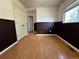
62 7
7 12
6 9
7 33
45 18
68 31
46 14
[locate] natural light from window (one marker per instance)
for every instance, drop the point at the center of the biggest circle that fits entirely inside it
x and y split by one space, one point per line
72 15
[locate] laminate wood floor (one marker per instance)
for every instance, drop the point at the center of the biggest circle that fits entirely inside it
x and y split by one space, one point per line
40 47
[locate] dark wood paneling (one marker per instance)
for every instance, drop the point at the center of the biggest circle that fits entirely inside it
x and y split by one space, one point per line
68 31
45 27
35 26
7 33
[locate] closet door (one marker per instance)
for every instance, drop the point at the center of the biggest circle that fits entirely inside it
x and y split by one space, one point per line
24 25
20 19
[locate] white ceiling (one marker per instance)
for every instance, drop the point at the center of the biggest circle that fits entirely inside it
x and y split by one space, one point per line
40 3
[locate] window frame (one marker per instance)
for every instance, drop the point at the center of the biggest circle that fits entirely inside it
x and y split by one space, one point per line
69 7
67 11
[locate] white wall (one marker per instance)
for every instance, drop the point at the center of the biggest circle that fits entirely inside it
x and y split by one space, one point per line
32 13
20 16
6 9
63 6
46 14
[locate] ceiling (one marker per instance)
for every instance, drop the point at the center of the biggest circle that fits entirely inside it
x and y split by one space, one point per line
40 3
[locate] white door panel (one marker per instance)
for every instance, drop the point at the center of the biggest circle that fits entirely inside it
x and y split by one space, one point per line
20 19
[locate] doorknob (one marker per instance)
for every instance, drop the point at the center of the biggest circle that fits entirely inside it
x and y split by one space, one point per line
22 25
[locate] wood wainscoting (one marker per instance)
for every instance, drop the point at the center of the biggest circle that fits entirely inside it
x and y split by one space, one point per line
7 33
68 31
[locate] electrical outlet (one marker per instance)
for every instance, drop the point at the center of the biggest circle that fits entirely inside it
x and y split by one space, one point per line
50 31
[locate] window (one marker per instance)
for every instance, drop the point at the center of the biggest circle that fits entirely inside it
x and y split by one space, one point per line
72 15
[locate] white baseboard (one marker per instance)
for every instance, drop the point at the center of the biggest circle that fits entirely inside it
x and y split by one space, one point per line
22 37
8 48
61 39
68 43
45 34
42 35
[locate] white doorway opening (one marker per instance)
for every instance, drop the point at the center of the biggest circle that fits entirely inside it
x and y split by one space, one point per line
30 24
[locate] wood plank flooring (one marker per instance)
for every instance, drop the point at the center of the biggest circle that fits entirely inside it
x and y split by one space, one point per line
37 47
